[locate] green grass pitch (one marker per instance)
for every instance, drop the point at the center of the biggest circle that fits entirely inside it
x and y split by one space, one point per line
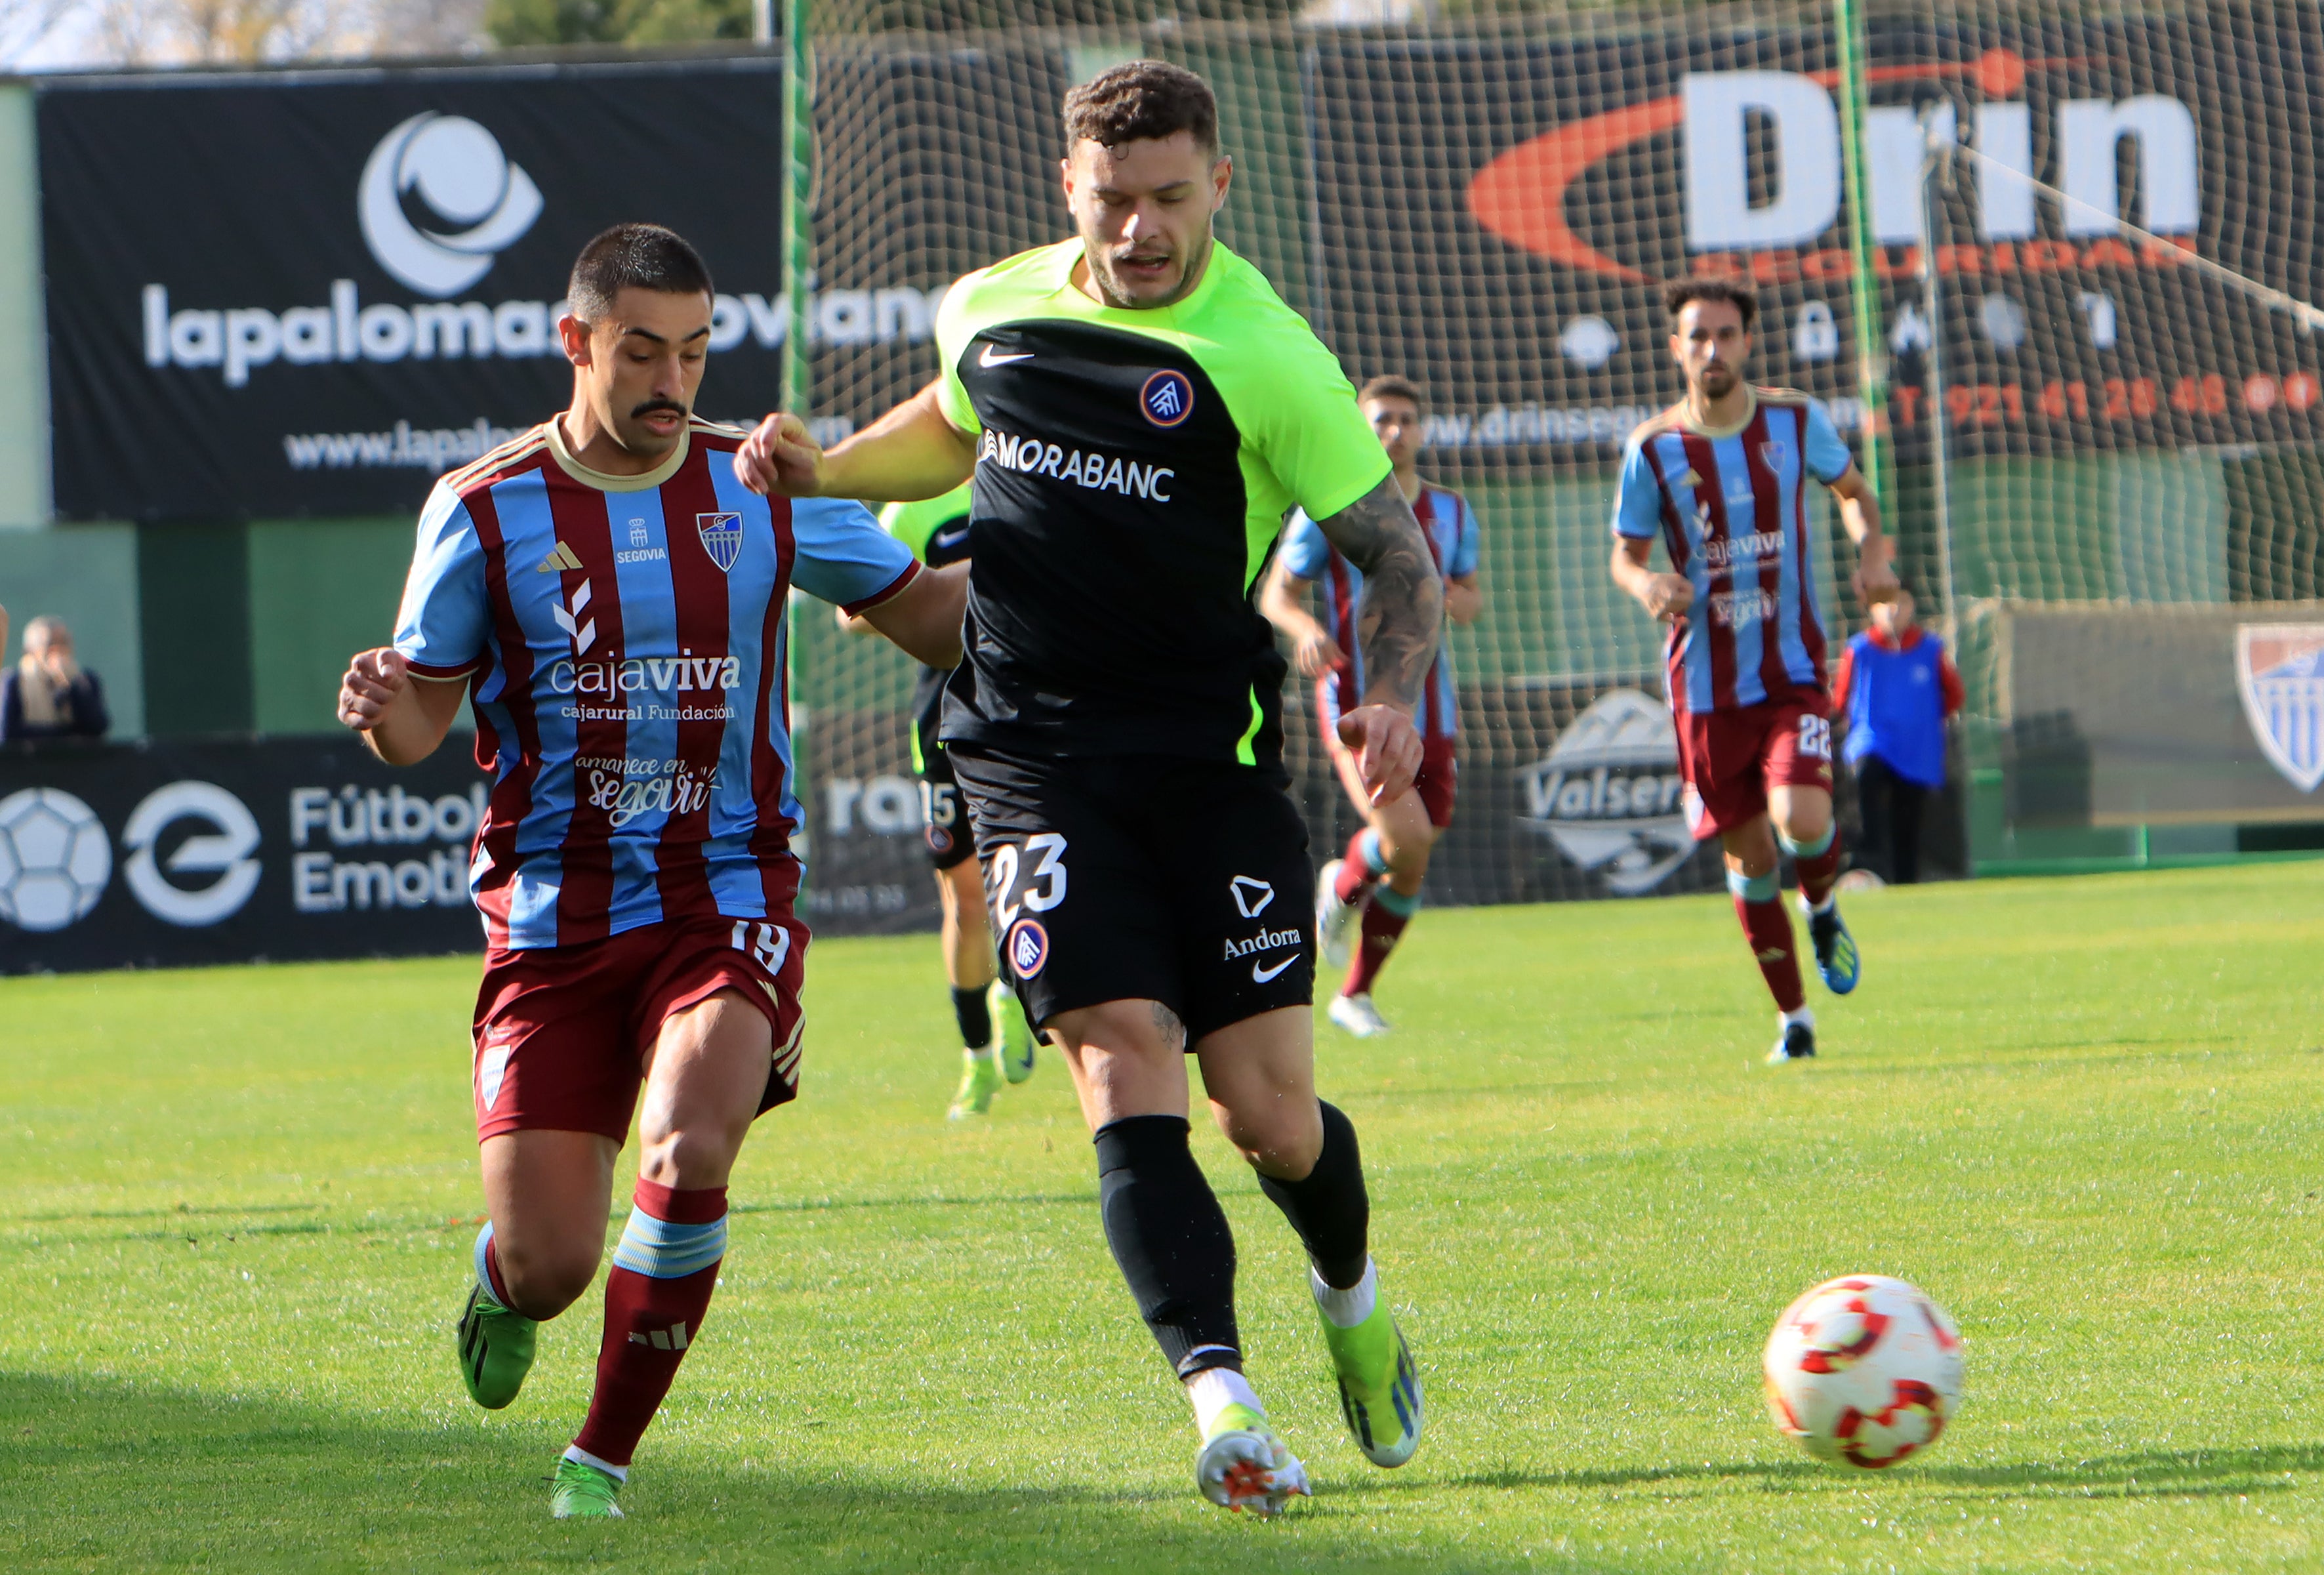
2082 1114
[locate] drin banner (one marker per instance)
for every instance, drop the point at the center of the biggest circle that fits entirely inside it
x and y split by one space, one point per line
1495 217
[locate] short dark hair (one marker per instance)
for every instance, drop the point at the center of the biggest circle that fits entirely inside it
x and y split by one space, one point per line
1392 387
1140 99
632 257
1677 296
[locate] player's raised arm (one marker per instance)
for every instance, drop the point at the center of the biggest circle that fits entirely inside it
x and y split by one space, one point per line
912 452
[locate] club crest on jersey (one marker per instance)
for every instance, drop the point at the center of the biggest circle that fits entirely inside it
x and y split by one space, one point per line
1028 947
2279 673
1167 399
722 538
1775 455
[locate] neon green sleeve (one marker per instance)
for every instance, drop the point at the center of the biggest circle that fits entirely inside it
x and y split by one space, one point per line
1309 428
957 321
913 523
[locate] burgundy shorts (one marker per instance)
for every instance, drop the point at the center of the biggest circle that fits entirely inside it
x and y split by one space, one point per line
1731 759
1440 771
562 1031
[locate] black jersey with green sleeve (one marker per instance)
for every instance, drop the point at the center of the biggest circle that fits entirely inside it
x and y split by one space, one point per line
937 530
1133 470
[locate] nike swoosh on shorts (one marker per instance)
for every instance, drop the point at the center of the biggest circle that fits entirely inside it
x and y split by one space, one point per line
989 359
951 538
1261 975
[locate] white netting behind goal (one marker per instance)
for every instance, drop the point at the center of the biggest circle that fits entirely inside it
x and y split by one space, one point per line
1489 203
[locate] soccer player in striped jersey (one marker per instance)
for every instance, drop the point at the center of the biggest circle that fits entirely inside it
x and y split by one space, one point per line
1721 477
1376 886
997 1042
609 598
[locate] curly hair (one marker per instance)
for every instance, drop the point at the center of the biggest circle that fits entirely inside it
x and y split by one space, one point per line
1140 99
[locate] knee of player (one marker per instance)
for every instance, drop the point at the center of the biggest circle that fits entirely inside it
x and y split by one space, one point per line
544 1278
692 1156
1806 822
1282 1140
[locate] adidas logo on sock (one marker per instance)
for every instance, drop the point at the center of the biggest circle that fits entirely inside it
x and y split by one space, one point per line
670 1339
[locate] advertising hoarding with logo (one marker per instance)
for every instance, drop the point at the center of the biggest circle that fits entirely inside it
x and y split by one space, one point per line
113 856
2191 715
1495 217
313 294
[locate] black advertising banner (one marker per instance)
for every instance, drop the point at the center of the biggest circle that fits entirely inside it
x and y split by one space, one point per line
236 850
1496 217
312 294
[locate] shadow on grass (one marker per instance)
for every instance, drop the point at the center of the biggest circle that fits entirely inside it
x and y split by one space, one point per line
2156 1474
103 1475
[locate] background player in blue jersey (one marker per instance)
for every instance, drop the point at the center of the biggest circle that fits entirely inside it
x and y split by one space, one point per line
610 598
1375 889
1722 478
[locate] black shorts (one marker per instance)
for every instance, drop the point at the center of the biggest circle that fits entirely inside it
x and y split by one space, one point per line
943 821
1145 878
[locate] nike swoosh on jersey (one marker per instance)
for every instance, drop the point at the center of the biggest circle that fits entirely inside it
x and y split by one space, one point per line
990 359
1261 975
950 537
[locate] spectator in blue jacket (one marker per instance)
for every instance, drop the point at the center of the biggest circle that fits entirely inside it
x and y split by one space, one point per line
1895 687
47 693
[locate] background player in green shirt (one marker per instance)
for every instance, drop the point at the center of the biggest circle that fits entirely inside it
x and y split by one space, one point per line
937 530
1139 409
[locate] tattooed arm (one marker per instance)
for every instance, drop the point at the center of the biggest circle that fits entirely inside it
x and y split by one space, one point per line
1401 617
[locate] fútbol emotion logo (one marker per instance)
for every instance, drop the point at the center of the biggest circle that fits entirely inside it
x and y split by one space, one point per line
223 851
456 172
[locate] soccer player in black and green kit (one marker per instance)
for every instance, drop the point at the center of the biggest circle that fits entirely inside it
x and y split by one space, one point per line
1139 410
996 1040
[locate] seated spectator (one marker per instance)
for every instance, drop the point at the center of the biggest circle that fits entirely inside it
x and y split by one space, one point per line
47 693
1895 687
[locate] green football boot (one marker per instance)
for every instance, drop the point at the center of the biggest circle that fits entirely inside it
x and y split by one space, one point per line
1379 1388
1011 1030
579 1492
980 1080
496 1348
1245 1468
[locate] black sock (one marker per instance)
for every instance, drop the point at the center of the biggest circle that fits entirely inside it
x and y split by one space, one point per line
975 1021
1328 1206
1171 1238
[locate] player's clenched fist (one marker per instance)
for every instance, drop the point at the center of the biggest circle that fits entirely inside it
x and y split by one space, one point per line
1386 750
1667 597
780 458
373 679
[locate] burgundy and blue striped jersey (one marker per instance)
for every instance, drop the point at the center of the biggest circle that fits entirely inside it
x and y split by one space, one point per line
1731 508
624 639
1451 527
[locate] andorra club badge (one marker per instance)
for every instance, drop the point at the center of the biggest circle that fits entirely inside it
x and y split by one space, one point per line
2279 673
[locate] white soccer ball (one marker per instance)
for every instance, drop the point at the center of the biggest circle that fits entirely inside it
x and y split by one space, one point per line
54 859
1864 1369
